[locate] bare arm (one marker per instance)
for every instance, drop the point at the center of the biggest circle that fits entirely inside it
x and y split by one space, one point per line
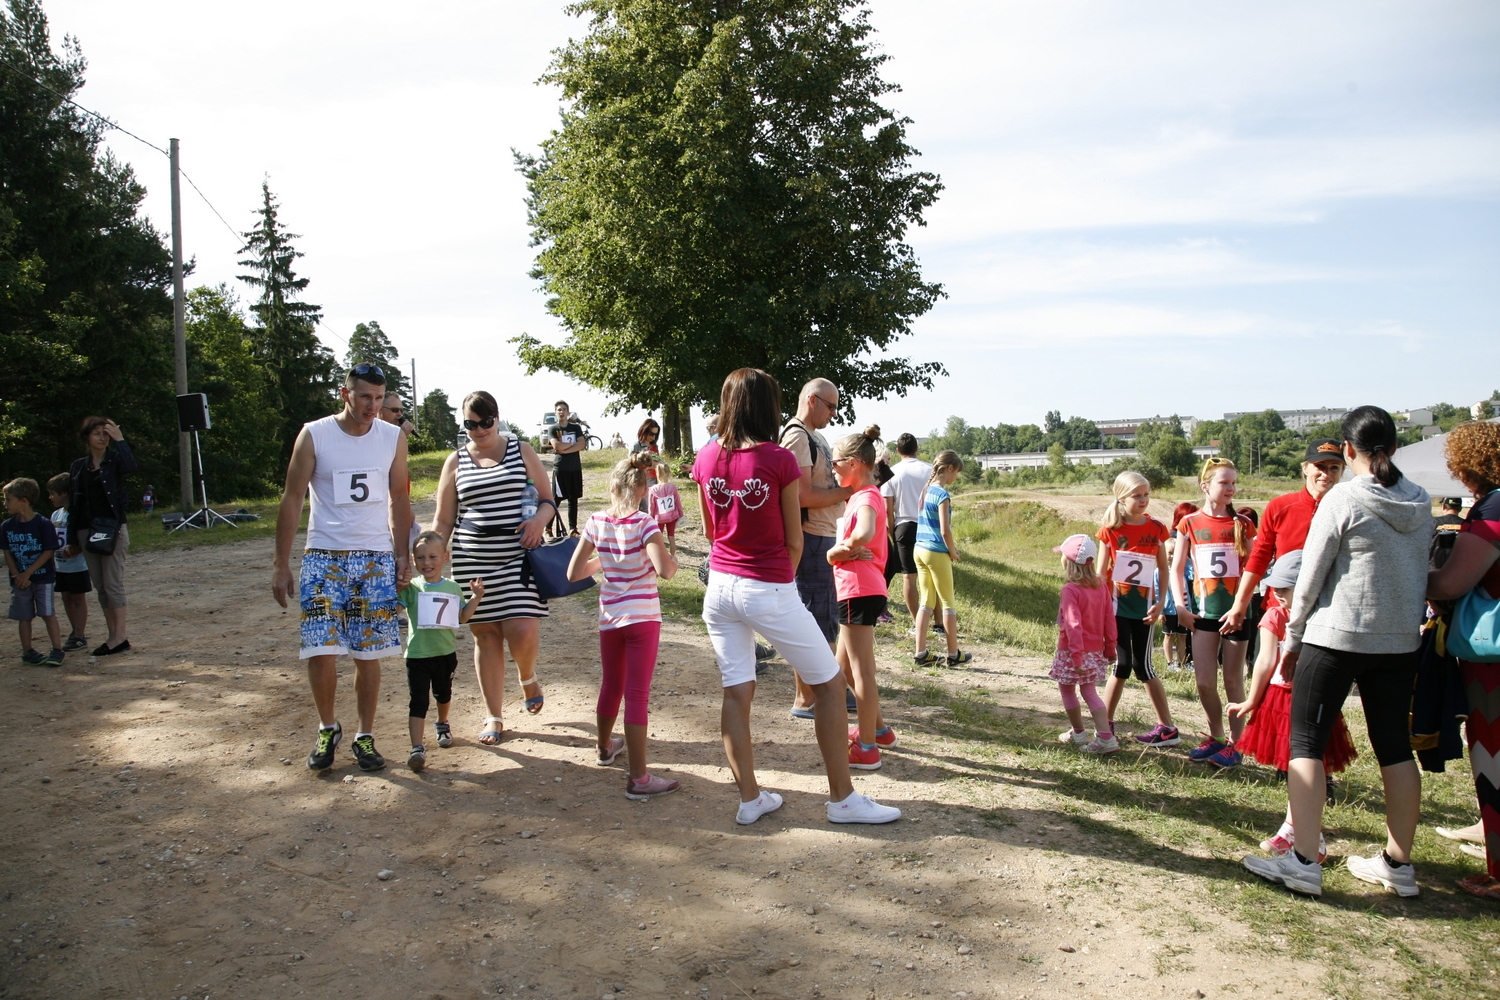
856 546
470 606
299 473
10 564
791 521
1163 572
1265 666
531 531
945 523
585 561
661 558
1469 561
400 494
446 518
817 496
1178 583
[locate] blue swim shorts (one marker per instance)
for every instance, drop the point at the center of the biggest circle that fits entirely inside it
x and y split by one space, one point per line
349 604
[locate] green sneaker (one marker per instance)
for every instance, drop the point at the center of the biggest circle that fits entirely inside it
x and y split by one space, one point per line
366 755
53 659
321 759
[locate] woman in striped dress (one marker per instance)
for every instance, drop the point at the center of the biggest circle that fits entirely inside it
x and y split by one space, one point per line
479 510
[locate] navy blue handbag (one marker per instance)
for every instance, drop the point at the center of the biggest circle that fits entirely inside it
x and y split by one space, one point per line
548 567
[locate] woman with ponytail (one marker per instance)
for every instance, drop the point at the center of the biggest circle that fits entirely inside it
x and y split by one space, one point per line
1359 600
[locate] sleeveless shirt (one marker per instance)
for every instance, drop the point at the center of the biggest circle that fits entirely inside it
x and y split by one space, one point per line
351 487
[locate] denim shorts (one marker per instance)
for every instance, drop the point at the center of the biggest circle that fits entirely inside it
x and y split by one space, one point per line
737 607
34 601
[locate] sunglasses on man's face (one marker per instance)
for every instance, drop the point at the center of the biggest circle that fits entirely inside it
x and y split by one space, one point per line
486 423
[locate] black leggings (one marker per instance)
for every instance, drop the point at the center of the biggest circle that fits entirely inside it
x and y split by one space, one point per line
1321 683
1133 648
568 487
433 673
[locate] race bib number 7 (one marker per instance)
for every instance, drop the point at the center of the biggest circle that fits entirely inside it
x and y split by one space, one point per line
437 610
1216 561
1134 569
356 487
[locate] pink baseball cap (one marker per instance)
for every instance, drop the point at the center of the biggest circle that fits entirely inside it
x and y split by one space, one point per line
1078 548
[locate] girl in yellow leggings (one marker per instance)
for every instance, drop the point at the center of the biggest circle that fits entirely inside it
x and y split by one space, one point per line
936 555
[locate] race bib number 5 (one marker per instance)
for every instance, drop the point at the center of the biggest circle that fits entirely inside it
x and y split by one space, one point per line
437 610
356 487
1216 561
1134 569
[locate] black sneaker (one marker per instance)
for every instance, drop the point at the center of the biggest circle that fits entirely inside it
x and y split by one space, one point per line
444 735
764 651
75 642
53 659
321 759
33 658
366 755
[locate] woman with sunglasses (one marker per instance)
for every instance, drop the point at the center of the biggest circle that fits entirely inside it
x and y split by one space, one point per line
479 509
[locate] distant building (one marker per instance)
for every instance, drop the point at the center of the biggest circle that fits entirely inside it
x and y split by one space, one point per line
1301 420
1122 432
1093 456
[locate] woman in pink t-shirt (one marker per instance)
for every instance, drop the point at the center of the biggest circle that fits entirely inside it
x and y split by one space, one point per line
858 557
749 487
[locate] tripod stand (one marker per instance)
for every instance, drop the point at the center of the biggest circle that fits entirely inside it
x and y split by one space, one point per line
205 516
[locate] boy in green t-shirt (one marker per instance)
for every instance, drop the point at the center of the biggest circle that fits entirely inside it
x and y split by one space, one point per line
436 607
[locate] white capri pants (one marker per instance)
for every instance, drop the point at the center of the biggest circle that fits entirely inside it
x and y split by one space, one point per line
737 607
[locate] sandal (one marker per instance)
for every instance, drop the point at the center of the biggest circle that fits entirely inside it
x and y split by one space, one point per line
533 704
491 737
1484 886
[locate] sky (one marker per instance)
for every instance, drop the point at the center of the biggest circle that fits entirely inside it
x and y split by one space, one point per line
1148 208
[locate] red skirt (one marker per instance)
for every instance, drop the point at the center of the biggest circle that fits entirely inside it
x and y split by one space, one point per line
1268 734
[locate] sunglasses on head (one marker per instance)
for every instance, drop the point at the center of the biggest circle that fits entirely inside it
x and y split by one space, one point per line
364 370
486 423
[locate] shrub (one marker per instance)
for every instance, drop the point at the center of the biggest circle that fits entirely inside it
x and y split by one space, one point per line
1158 477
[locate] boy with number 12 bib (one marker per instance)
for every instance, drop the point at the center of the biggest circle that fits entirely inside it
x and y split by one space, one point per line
436 606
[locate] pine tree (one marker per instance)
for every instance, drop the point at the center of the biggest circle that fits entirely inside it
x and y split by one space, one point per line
369 343
437 423
299 367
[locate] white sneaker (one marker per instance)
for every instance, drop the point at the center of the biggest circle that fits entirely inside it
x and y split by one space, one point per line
1075 736
417 759
1286 870
1402 881
859 808
1103 744
767 802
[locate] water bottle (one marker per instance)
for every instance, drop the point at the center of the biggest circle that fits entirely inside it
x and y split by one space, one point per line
529 501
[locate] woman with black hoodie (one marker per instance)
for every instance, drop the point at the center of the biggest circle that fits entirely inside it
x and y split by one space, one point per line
1359 603
96 516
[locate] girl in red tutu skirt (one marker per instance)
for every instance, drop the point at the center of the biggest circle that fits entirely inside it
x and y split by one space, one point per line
1267 736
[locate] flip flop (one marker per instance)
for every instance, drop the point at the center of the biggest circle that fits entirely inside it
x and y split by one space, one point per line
1473 851
534 704
802 713
1484 886
491 737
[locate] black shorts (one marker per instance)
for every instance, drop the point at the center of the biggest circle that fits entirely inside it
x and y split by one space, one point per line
862 610
1322 682
906 547
569 483
73 583
1171 626
1213 625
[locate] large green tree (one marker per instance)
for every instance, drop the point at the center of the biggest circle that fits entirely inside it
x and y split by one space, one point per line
727 188
85 316
437 423
241 451
369 342
300 369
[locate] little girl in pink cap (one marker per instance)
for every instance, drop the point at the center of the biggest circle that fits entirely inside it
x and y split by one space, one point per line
1085 645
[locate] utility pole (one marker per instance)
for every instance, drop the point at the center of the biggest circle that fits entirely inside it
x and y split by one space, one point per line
179 335
414 394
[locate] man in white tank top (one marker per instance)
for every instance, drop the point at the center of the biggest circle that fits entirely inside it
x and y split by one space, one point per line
354 464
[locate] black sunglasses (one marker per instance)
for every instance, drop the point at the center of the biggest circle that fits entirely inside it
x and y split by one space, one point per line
364 370
486 423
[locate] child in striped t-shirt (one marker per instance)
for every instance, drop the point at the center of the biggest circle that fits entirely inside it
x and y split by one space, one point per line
626 546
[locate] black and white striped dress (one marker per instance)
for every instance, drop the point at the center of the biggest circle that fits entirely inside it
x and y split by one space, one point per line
490 498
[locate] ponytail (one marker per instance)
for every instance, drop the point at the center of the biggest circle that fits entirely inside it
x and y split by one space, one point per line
945 460
860 446
1126 483
1241 547
1372 432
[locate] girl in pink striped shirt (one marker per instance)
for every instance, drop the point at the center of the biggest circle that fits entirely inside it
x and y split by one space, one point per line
625 545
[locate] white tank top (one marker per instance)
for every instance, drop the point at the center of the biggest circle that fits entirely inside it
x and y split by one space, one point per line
351 487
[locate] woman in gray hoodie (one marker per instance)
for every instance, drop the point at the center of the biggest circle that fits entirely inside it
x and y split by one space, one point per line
1358 609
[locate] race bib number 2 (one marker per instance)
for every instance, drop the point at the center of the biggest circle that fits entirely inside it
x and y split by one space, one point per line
1216 561
437 610
1134 569
357 487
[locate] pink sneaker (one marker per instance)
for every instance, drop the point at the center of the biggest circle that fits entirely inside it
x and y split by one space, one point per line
648 787
883 738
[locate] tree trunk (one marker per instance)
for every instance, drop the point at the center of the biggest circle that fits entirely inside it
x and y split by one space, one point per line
671 427
687 429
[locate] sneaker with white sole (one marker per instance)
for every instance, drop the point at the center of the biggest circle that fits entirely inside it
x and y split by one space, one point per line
444 735
649 787
1077 737
1103 744
1283 842
859 808
417 759
1401 880
607 755
766 802
1286 870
